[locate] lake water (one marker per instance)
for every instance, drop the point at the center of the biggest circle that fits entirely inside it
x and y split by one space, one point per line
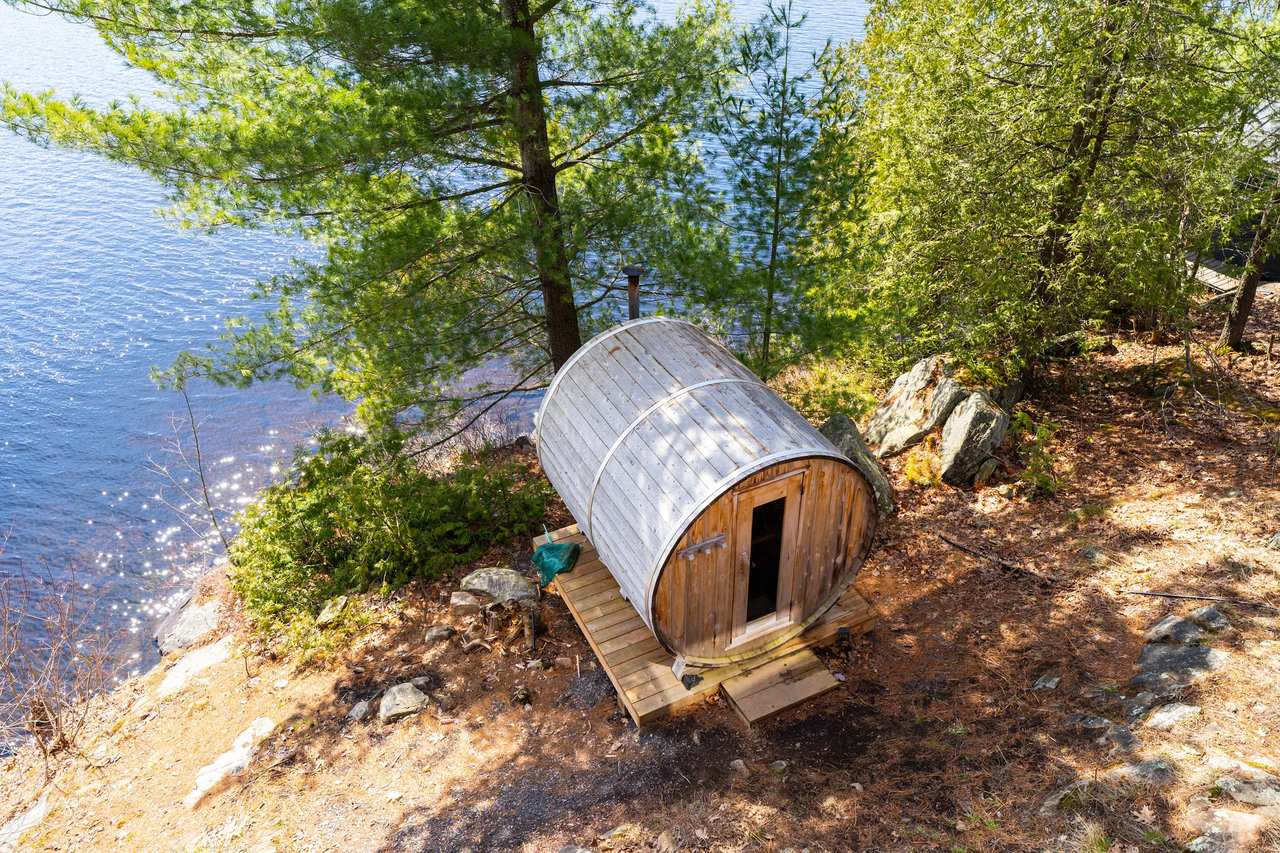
95 291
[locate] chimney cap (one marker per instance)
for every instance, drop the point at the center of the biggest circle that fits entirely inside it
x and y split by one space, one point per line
633 271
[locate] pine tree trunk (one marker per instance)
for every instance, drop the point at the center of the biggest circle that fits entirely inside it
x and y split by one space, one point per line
1233 329
538 176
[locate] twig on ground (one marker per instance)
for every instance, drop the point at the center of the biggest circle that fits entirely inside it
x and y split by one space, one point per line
1236 601
1001 563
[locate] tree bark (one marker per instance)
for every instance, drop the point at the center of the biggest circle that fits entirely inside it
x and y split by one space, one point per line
538 178
1233 329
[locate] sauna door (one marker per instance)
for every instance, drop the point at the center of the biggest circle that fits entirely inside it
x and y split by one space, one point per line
766 530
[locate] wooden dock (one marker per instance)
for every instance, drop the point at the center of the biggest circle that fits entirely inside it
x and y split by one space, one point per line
640 668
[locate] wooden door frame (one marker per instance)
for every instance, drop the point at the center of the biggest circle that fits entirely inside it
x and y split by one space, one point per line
791 486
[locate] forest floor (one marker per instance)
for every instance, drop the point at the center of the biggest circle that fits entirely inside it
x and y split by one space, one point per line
935 740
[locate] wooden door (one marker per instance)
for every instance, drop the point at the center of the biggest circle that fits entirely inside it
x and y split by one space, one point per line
766 534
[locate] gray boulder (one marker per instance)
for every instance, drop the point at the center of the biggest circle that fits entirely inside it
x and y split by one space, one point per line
501 585
1175 630
1151 772
841 431
463 603
918 403
400 701
972 433
186 625
1186 661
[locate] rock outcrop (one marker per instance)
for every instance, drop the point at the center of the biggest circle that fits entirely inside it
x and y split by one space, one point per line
918 403
841 431
972 433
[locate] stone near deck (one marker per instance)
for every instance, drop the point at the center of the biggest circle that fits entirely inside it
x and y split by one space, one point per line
918 403
501 585
1085 725
464 604
1240 769
841 431
971 434
186 625
1175 630
400 701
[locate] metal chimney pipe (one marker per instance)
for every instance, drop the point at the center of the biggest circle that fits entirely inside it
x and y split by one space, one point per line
633 274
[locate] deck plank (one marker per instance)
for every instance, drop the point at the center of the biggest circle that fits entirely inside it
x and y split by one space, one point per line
640 669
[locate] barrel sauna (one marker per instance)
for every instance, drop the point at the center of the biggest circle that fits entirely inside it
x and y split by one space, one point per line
729 522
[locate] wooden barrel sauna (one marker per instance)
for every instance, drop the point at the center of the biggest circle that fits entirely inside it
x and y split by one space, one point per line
729 522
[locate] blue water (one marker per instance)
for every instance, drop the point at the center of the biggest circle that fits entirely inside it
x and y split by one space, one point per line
95 291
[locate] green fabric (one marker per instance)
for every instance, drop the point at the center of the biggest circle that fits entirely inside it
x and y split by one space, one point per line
554 558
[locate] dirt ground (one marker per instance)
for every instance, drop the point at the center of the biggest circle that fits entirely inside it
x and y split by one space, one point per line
934 740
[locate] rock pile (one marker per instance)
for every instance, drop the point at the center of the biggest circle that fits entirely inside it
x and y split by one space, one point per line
1243 801
927 398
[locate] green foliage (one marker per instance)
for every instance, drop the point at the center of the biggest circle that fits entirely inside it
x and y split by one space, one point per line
1039 165
788 177
820 387
1041 468
356 514
471 172
920 467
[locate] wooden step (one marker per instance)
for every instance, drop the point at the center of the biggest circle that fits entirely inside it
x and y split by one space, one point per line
780 684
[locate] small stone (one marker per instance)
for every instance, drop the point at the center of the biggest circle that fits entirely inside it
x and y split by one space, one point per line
359 711
1094 554
444 700
1250 770
1071 796
664 844
464 603
1152 772
573 848
1222 830
1122 736
1174 629
778 766
332 611
1193 661
1088 725
1209 617
186 625
1166 685
11 833
500 584
1251 792
1048 681
1171 715
439 633
1138 706
1101 697
740 767
400 701
984 472
522 696
1006 491
564 663
1274 542
280 683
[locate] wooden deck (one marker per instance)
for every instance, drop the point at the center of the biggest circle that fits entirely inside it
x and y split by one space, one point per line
640 668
